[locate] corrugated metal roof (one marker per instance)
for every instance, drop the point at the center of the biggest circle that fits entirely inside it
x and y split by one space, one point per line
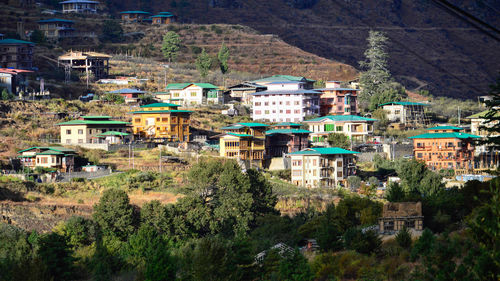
287 131
114 133
14 41
336 89
127 91
323 151
79 1
160 104
286 92
341 118
238 135
403 103
450 135
93 122
55 20
445 128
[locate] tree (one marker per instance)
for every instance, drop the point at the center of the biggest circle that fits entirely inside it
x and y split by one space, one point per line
418 179
115 98
362 242
114 214
404 238
354 182
37 36
5 95
339 140
492 117
111 31
395 193
203 63
223 57
171 45
78 231
56 256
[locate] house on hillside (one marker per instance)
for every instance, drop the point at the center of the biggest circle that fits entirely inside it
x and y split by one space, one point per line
56 28
335 100
245 142
93 63
405 112
131 95
162 121
190 94
79 6
56 157
164 18
134 16
322 167
17 54
14 80
243 92
285 102
284 138
445 147
359 129
94 129
396 216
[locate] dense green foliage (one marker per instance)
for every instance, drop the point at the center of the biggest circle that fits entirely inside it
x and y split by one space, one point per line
203 63
339 140
111 31
171 45
223 57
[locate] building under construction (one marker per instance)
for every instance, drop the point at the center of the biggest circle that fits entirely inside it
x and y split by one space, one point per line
407 114
93 63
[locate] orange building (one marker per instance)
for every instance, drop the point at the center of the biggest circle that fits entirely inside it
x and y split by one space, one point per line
163 18
134 16
445 147
335 100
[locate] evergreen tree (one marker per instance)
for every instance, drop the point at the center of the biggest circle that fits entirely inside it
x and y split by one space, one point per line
404 238
111 31
223 57
339 140
171 45
203 63
114 214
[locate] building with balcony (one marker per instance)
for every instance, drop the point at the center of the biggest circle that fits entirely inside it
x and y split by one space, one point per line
56 28
161 122
134 16
396 216
445 147
486 155
93 63
335 100
79 6
56 157
244 141
189 94
359 129
285 102
243 92
17 54
322 167
94 129
284 138
411 114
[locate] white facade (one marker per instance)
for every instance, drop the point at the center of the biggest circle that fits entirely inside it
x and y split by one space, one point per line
357 128
192 95
285 102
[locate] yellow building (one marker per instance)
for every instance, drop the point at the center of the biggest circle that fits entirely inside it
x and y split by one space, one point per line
244 141
161 121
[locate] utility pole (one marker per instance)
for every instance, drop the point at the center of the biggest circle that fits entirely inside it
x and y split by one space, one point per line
459 116
159 158
129 154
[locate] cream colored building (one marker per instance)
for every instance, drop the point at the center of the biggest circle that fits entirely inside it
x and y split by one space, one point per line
322 167
357 128
90 129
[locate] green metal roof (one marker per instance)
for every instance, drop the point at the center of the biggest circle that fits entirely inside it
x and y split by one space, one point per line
445 128
403 103
239 135
162 16
55 20
96 117
48 152
287 131
160 104
341 118
323 151
161 111
253 124
114 133
180 86
135 12
54 148
287 124
14 41
281 78
451 135
483 114
93 122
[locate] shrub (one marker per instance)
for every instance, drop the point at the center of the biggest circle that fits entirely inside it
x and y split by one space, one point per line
404 238
362 242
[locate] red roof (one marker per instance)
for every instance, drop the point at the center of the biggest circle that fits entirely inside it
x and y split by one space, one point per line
14 71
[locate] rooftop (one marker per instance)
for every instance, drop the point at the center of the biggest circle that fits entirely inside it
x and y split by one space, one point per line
162 16
341 118
238 135
180 86
287 131
128 91
160 104
95 117
336 89
483 114
54 148
55 20
281 78
323 151
404 103
82 55
286 92
14 71
287 124
161 111
14 41
445 128
450 135
93 122
113 133
135 12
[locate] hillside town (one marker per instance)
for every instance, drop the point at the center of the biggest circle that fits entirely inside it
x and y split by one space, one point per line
314 149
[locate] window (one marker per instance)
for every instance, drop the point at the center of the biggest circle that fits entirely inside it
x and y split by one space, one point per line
274 103
266 103
339 174
176 95
339 164
419 155
157 119
257 103
68 132
80 131
329 127
288 103
68 141
339 128
297 102
296 173
193 94
257 112
314 172
80 140
339 99
314 162
288 111
164 119
266 112
137 120
296 111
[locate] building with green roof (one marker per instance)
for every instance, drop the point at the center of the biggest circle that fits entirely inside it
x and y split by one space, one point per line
411 114
164 18
87 129
244 141
285 78
357 128
134 16
286 137
445 147
57 157
190 94
17 54
322 167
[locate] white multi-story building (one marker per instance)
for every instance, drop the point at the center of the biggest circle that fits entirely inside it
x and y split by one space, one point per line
322 167
189 94
285 102
357 128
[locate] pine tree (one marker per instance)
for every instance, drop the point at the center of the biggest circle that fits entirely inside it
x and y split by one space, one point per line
171 45
223 57
203 63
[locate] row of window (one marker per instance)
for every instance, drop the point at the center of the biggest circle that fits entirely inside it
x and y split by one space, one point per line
258 103
288 111
442 144
91 131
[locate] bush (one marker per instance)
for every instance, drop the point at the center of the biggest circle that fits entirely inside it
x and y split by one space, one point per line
78 180
404 238
362 242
